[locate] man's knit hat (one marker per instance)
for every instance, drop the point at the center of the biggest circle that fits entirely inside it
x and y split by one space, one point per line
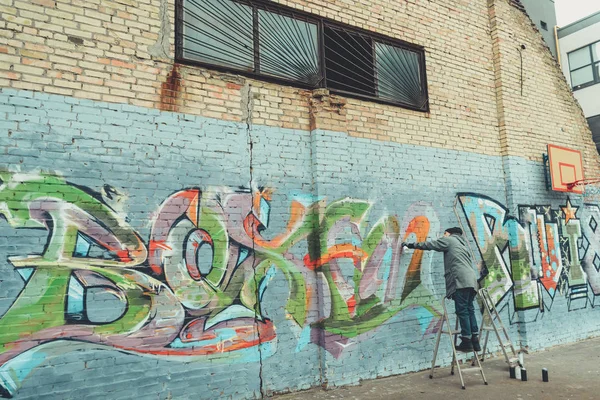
454 231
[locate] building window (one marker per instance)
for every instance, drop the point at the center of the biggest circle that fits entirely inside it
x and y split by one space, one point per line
349 64
584 65
219 32
595 127
288 48
544 25
273 42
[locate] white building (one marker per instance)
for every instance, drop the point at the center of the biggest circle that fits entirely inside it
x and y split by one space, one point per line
579 45
543 15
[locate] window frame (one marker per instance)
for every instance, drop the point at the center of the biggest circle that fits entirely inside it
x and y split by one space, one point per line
595 64
321 22
595 134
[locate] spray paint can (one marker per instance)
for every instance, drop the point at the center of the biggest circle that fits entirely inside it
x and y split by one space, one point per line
518 372
545 374
523 375
512 373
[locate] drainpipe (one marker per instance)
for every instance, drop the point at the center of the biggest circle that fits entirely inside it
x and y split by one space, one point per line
557 45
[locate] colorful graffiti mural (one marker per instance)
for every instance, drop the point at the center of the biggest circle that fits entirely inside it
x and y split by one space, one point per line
194 289
543 252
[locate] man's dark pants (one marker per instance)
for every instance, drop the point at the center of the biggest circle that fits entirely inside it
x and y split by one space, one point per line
465 311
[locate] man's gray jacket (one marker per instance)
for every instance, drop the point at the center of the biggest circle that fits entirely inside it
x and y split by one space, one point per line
458 270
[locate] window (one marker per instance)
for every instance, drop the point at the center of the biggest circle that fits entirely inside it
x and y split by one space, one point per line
584 65
357 63
349 64
219 32
595 127
544 25
273 42
288 48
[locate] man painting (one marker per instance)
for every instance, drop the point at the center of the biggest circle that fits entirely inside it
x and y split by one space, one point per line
461 282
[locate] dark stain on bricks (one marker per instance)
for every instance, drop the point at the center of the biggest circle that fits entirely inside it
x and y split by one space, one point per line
171 90
75 40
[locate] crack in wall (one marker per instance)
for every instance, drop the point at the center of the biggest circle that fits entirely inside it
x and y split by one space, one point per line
247 98
316 107
160 49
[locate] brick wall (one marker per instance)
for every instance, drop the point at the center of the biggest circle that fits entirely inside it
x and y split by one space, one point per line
169 229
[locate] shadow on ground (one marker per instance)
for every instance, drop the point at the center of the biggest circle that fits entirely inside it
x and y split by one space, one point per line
574 374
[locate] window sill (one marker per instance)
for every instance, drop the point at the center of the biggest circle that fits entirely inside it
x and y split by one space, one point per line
585 85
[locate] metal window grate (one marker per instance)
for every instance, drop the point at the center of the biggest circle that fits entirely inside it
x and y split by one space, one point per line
218 32
273 42
288 48
399 75
349 61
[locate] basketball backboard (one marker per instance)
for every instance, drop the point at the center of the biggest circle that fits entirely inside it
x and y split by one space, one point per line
566 168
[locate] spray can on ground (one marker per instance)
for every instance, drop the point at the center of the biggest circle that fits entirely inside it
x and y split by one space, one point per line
545 374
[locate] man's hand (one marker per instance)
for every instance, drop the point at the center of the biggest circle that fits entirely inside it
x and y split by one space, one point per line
408 245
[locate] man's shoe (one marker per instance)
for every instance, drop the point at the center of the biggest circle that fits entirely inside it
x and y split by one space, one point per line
475 342
466 346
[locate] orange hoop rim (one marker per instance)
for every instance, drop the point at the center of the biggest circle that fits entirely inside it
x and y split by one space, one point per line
583 182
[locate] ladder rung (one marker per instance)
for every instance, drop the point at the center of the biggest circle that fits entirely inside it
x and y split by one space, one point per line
513 360
470 369
452 332
488 328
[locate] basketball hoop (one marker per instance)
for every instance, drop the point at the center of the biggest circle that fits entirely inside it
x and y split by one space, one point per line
582 182
565 167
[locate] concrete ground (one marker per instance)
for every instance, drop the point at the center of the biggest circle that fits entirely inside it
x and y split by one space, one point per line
574 372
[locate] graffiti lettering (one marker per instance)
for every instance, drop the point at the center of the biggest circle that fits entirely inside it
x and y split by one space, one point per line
195 289
547 248
591 246
504 249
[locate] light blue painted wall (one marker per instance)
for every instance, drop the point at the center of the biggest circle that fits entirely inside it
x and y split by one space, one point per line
148 155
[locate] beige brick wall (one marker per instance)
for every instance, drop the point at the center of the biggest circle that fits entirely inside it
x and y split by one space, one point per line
111 51
544 111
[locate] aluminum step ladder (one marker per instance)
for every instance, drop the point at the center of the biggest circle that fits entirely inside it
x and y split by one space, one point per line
492 322
453 335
